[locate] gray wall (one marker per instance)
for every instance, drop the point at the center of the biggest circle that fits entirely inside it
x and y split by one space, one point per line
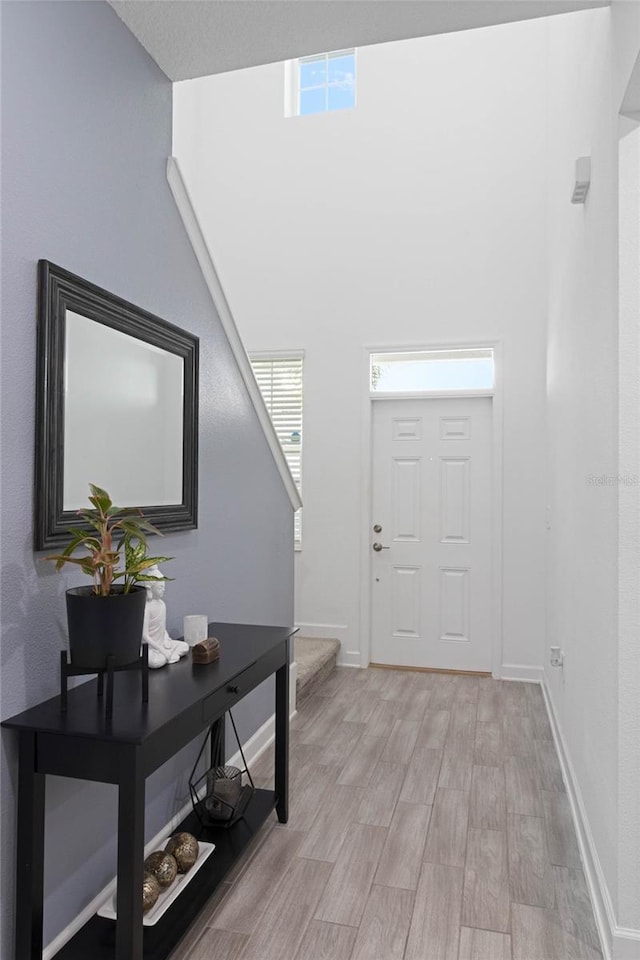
86 131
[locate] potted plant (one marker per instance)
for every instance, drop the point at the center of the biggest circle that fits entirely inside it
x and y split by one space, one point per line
105 619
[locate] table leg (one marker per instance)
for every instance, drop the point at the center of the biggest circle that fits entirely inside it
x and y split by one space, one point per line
30 853
63 681
145 673
282 743
130 858
218 743
110 679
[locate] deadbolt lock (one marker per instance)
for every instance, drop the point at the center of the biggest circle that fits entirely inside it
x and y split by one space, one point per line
377 528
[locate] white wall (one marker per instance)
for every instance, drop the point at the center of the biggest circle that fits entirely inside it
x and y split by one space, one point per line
590 57
415 218
629 528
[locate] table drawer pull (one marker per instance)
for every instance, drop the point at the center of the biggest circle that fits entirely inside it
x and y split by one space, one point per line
235 687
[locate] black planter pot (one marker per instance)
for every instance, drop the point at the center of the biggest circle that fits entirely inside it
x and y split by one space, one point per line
100 627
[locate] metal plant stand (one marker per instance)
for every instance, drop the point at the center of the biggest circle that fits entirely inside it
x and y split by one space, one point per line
109 669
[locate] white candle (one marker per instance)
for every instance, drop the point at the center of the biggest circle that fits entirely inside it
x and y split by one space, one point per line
195 628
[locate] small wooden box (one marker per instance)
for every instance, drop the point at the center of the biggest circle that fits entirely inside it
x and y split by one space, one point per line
206 651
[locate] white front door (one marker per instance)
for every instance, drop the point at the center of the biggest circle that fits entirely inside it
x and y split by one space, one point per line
430 533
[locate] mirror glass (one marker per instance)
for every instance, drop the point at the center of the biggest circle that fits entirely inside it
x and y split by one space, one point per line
134 391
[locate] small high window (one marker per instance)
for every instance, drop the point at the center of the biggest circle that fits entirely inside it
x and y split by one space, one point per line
323 83
432 371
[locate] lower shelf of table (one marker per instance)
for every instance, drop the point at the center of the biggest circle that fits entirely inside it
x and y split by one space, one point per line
96 940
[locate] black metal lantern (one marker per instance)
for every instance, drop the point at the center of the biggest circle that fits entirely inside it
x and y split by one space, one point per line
218 795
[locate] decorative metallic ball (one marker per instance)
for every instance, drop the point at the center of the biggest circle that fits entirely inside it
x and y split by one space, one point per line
163 867
185 848
150 892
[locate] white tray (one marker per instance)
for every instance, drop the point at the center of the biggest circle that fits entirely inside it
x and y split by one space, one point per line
166 898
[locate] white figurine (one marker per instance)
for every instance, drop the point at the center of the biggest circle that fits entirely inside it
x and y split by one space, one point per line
162 649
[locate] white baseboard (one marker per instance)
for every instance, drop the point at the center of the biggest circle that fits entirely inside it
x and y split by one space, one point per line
349 658
522 671
293 693
618 943
253 750
346 657
626 944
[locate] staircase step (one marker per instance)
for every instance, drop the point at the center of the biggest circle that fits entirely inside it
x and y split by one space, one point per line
316 660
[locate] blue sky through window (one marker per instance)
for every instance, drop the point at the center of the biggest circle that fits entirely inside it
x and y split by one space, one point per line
327 82
453 371
313 73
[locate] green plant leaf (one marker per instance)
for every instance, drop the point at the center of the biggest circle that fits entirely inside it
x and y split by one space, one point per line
144 577
114 511
132 525
86 563
90 543
114 530
144 563
91 519
97 493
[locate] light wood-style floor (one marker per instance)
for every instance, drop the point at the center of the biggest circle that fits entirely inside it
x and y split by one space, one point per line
429 821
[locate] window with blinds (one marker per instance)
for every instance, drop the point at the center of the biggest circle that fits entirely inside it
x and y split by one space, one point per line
280 381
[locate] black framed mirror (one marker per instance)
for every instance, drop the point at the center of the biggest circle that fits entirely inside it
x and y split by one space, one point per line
116 405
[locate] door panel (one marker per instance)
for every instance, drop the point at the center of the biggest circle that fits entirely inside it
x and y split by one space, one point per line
406 499
406 601
454 605
454 499
431 579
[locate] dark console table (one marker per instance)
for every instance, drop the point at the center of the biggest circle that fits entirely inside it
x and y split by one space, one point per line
184 699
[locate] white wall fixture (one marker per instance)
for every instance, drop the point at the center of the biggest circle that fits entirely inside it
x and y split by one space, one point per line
583 180
556 657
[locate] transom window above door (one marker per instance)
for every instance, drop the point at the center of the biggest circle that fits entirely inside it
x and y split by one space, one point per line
432 371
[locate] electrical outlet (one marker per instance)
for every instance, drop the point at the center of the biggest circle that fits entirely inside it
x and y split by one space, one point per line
556 657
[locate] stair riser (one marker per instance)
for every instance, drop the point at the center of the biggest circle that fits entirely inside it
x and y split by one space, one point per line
315 681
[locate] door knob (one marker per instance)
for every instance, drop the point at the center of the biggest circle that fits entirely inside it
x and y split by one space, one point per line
378 547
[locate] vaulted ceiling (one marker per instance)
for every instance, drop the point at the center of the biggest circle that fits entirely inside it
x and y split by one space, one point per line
195 38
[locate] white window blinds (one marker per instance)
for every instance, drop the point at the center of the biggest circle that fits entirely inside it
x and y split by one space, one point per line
280 382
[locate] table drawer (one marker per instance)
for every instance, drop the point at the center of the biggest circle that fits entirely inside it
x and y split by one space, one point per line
239 686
